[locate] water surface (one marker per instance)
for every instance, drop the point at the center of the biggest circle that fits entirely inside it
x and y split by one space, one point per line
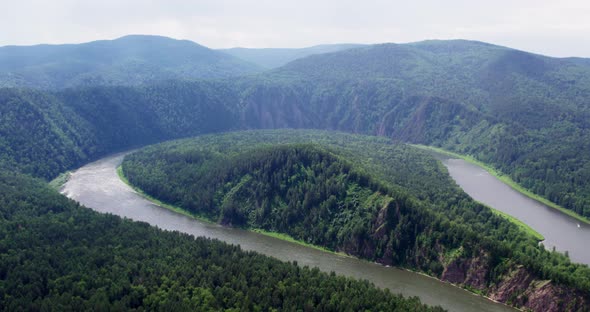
97 186
560 230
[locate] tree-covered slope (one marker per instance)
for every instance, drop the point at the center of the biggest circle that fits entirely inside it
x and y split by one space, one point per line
57 255
130 60
40 135
277 57
45 133
364 196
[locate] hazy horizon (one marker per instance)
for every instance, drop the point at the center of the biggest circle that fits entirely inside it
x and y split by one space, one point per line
543 27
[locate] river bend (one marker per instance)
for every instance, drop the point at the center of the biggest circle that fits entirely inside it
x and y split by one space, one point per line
97 186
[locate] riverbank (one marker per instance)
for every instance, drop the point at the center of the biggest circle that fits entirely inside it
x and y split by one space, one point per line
285 237
181 211
520 224
506 180
159 202
60 180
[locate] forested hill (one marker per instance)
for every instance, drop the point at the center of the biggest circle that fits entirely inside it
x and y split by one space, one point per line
511 85
277 57
44 133
130 60
384 202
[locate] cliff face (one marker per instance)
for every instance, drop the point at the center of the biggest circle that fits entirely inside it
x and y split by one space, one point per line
518 287
522 289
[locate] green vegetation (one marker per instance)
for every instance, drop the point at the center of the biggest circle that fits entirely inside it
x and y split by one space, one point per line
159 202
44 134
288 238
523 226
61 179
363 196
524 114
57 255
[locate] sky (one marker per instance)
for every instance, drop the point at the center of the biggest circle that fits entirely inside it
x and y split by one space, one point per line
555 28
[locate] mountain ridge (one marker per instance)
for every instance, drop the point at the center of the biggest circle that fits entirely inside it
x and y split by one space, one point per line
129 60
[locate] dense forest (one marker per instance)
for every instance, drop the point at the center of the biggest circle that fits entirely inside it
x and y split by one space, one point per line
57 255
44 134
365 196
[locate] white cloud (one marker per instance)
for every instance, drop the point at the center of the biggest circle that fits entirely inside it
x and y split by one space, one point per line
549 27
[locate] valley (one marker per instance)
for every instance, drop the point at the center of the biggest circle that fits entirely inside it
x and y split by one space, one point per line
312 144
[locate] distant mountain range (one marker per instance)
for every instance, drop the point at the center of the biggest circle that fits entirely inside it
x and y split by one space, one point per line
277 57
130 60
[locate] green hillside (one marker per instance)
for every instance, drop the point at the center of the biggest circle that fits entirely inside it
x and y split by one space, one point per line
360 195
45 133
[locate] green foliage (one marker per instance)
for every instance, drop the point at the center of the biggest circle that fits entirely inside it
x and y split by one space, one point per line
365 196
44 134
524 114
41 136
57 255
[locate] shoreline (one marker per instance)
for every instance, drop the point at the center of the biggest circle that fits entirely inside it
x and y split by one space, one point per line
277 235
504 178
290 239
159 202
60 180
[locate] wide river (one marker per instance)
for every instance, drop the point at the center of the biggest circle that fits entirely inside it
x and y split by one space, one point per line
560 230
97 186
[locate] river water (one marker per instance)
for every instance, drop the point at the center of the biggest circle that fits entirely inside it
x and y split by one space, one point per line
560 230
98 187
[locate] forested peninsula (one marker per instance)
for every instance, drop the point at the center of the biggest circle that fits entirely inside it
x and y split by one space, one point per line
363 196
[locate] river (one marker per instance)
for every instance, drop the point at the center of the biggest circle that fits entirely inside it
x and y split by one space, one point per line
97 186
560 230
